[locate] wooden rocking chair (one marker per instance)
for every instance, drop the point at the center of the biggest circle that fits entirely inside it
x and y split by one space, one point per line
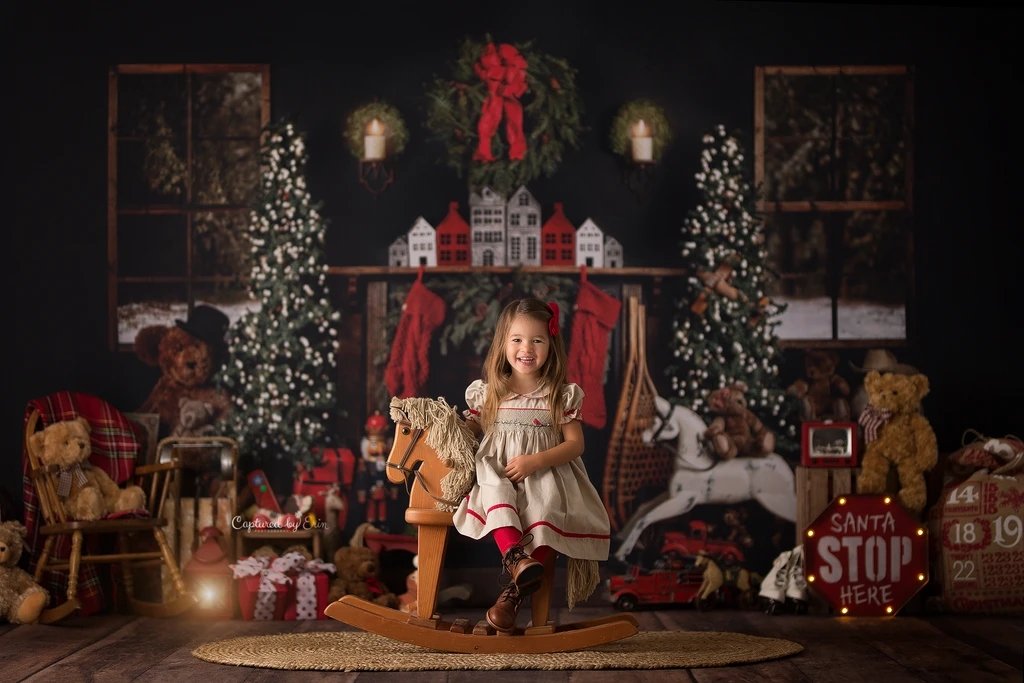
154 480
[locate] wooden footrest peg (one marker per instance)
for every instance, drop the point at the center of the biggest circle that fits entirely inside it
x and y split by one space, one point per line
482 628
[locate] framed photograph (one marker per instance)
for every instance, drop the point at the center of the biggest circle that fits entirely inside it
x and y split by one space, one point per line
828 444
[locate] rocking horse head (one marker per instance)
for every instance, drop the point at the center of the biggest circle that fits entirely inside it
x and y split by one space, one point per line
433 452
663 428
685 429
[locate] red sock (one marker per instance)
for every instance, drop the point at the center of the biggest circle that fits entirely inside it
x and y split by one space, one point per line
542 553
506 537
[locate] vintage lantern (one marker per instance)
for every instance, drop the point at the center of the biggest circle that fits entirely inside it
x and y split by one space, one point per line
209 577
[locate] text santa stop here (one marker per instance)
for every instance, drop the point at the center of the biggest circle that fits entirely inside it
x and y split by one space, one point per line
866 555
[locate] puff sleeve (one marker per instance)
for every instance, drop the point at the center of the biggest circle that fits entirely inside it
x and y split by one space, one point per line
474 400
572 402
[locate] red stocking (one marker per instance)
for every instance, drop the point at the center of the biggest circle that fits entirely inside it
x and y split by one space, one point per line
594 319
409 363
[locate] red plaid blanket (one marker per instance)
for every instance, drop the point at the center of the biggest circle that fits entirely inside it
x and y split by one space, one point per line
115 444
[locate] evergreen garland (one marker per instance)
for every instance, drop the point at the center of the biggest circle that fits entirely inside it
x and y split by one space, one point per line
719 338
474 301
551 119
282 364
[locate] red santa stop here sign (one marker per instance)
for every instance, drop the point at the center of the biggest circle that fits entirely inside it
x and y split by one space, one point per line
865 555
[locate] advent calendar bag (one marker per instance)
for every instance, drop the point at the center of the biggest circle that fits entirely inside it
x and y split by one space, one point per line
977 533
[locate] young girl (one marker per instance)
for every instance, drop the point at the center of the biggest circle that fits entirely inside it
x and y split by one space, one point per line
532 492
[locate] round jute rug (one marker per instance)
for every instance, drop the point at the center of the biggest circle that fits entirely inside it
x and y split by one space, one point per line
359 651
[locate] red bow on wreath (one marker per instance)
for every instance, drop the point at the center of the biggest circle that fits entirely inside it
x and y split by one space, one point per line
503 69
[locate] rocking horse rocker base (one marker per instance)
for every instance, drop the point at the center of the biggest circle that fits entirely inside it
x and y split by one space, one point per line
411 457
459 635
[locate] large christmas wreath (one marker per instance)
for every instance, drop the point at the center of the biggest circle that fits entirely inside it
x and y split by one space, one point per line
507 114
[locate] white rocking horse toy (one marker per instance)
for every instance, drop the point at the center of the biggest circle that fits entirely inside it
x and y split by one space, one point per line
434 454
699 478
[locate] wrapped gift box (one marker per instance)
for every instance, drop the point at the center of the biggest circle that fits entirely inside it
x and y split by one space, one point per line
309 599
264 587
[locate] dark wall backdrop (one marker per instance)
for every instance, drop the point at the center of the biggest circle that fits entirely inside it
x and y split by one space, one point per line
699 66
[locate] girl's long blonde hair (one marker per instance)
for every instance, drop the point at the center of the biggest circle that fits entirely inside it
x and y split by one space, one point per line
498 372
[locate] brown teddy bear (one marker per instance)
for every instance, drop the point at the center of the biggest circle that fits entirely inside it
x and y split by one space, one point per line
358 575
188 356
87 492
896 433
22 600
823 394
736 432
195 418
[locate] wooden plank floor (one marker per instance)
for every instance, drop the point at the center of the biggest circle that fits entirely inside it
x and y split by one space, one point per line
935 648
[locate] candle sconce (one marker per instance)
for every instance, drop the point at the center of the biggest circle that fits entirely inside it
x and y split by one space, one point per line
640 133
375 133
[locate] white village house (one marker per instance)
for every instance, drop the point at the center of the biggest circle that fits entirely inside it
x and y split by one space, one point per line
398 252
612 252
523 229
487 228
422 244
590 245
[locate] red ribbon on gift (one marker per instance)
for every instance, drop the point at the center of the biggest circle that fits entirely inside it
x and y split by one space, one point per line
503 69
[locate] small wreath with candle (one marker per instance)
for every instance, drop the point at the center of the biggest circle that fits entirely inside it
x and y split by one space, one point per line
627 125
507 114
391 125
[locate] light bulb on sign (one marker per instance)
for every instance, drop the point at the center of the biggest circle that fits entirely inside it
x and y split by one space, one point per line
373 142
643 143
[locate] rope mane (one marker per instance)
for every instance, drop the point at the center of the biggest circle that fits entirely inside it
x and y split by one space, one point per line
452 440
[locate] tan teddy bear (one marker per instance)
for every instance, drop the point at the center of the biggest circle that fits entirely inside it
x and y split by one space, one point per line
735 431
897 434
22 600
87 493
358 575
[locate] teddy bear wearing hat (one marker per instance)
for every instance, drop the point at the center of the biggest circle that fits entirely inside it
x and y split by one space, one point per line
877 360
188 355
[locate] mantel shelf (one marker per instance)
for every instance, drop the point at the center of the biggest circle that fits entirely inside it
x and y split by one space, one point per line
370 271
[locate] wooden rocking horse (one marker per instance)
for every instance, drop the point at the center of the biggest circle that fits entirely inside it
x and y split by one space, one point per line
434 454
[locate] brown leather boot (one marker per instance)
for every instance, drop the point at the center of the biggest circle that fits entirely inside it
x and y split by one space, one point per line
526 572
502 615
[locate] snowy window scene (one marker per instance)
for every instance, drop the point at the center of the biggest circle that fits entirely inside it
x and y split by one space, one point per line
186 145
834 160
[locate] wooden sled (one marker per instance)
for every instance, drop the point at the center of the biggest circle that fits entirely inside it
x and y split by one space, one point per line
411 459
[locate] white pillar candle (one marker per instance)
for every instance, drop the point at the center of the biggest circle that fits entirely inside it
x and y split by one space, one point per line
373 142
643 143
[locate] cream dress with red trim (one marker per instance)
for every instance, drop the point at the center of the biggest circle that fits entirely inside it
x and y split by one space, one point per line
558 505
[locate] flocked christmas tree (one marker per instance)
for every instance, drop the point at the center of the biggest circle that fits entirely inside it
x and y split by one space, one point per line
724 327
281 367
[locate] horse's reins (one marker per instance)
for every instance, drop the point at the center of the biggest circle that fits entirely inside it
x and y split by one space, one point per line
408 472
664 421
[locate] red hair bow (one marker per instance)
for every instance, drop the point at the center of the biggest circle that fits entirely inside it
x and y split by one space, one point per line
553 322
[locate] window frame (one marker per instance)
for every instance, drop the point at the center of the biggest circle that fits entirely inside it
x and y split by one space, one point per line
831 209
186 208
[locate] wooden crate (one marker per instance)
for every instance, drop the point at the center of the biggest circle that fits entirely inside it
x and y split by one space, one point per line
815 489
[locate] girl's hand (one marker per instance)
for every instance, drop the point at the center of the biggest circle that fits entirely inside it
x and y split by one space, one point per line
520 467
